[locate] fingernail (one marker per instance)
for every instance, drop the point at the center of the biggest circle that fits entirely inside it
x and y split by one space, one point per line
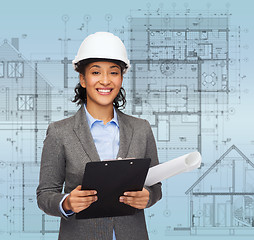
121 199
125 194
95 199
94 192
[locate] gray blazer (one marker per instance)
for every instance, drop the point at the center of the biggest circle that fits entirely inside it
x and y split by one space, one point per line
67 148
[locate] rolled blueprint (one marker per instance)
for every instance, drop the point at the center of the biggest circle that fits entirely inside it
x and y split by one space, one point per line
185 163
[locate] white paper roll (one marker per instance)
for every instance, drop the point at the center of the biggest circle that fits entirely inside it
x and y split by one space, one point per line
185 163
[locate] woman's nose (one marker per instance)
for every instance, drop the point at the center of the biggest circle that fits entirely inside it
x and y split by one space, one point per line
105 79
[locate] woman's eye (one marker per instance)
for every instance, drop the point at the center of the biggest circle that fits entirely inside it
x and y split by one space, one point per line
95 73
114 73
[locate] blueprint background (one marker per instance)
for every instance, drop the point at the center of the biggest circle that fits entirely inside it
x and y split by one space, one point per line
39 25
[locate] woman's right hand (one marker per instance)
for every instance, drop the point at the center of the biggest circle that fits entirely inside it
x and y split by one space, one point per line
79 200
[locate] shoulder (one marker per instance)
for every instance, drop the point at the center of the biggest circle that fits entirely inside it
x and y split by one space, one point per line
68 124
62 127
63 124
134 122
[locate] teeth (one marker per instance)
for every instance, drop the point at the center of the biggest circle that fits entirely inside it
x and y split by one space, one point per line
104 90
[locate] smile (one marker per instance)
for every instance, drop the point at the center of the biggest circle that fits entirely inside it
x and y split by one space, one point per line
100 90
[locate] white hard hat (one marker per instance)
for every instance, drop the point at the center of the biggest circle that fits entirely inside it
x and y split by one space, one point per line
102 45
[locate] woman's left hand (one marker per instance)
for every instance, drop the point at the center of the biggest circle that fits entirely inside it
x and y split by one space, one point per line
136 199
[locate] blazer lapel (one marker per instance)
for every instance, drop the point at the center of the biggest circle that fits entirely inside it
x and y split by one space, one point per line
126 132
84 135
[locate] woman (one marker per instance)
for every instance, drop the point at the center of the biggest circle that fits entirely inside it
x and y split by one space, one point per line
98 131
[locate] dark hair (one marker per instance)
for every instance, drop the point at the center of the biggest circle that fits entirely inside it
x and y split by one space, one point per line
80 92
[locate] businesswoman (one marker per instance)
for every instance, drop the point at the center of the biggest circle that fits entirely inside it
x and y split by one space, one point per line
98 131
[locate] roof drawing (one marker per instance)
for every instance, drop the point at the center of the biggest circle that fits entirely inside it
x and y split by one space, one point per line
233 147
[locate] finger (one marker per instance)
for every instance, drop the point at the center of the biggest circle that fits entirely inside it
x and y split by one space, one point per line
143 193
82 205
83 200
87 192
87 199
77 207
136 194
133 194
133 200
139 203
84 193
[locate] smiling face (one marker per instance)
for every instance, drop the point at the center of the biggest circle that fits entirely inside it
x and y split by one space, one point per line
102 81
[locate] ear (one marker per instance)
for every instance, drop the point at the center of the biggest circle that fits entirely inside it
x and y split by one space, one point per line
82 80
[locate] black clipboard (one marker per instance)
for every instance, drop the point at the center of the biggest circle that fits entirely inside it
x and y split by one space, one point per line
111 179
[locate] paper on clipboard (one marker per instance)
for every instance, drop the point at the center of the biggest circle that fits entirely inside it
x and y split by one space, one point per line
185 163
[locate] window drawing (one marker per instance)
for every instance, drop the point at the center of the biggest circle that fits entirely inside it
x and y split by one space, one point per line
15 69
25 102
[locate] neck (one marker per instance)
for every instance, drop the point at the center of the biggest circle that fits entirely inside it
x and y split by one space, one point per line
103 113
